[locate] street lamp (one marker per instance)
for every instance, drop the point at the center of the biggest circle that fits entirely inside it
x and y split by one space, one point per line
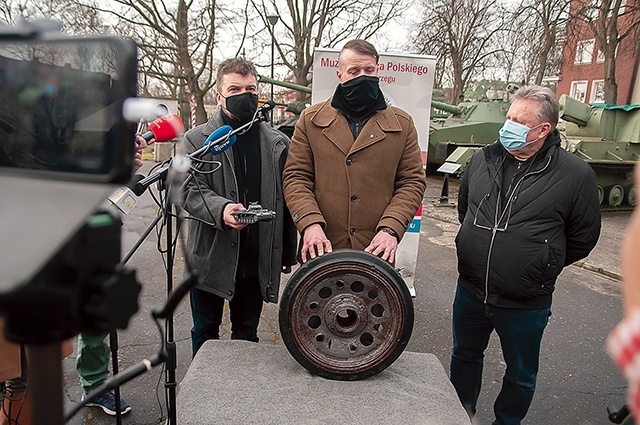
273 20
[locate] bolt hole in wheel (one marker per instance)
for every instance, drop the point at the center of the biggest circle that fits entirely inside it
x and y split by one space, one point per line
346 318
346 315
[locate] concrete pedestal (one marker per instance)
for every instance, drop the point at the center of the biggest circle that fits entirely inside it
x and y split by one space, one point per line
239 382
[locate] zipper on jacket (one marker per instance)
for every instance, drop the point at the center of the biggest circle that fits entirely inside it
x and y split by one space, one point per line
486 280
497 220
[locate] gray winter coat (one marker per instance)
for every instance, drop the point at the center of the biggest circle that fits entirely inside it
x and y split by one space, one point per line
212 248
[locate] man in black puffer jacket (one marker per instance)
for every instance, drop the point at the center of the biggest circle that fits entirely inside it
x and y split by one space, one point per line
528 208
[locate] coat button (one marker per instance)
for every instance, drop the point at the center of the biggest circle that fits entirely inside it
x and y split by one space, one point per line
349 162
352 231
233 244
296 217
233 193
354 198
230 292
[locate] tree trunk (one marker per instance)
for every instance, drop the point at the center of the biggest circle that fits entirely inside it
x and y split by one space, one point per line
610 84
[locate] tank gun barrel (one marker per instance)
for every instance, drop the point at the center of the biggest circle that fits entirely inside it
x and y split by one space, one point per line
293 86
452 109
574 111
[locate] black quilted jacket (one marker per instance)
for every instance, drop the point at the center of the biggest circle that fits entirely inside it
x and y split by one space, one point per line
510 255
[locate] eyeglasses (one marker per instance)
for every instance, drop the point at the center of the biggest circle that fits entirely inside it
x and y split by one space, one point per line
497 225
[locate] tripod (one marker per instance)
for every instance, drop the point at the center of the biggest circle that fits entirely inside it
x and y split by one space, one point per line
166 216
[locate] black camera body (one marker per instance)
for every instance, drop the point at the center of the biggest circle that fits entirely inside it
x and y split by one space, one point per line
65 144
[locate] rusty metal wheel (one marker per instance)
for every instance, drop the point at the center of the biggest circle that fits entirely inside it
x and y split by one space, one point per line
346 315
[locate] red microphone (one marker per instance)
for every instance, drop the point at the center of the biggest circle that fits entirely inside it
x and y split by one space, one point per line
164 128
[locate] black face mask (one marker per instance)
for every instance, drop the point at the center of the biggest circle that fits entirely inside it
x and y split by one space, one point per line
243 106
359 96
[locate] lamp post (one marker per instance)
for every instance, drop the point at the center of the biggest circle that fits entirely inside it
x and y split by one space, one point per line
273 20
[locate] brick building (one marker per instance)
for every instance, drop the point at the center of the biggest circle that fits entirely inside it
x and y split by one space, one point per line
582 71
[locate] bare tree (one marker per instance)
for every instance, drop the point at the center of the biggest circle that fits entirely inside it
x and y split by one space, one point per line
609 22
539 24
309 24
462 34
75 19
176 41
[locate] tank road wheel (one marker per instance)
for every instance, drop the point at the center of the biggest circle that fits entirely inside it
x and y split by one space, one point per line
630 195
614 195
346 315
600 194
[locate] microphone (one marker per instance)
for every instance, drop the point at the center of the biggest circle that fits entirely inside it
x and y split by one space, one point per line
180 165
217 146
217 142
164 128
267 106
125 197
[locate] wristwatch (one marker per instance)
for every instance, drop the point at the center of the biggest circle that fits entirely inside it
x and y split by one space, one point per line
390 231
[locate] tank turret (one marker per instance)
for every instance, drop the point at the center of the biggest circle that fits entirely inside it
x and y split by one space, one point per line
607 137
468 126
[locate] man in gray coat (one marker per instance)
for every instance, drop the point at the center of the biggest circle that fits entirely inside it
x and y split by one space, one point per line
235 261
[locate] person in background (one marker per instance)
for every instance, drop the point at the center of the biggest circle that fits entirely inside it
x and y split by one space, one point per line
93 351
354 176
527 208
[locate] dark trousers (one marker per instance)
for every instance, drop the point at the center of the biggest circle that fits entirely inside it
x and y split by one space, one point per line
244 311
520 333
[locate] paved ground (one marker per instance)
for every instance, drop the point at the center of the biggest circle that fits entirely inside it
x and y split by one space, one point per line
576 381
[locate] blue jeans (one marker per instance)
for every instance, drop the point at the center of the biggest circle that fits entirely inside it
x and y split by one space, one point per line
244 312
520 333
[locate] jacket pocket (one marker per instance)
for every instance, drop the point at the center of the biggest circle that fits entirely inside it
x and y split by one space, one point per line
532 278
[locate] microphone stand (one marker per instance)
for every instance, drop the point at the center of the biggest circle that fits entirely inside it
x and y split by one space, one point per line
170 369
160 176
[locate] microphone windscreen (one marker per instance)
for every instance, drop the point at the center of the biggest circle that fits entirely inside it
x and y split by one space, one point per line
222 145
166 128
269 105
220 132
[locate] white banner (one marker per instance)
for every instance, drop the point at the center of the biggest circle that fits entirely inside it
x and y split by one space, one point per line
406 80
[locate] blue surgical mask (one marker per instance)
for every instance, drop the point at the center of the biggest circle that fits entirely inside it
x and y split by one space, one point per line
513 136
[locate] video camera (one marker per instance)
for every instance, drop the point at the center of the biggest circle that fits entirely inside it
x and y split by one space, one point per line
64 146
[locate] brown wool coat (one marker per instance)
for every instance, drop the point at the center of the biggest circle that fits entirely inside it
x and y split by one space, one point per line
353 188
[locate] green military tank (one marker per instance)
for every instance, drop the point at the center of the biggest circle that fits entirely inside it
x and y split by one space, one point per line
607 137
464 128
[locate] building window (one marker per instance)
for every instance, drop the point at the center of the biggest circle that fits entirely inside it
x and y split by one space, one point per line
584 51
579 90
591 11
623 3
597 91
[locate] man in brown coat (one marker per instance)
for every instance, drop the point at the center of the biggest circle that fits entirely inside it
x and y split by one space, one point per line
354 176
